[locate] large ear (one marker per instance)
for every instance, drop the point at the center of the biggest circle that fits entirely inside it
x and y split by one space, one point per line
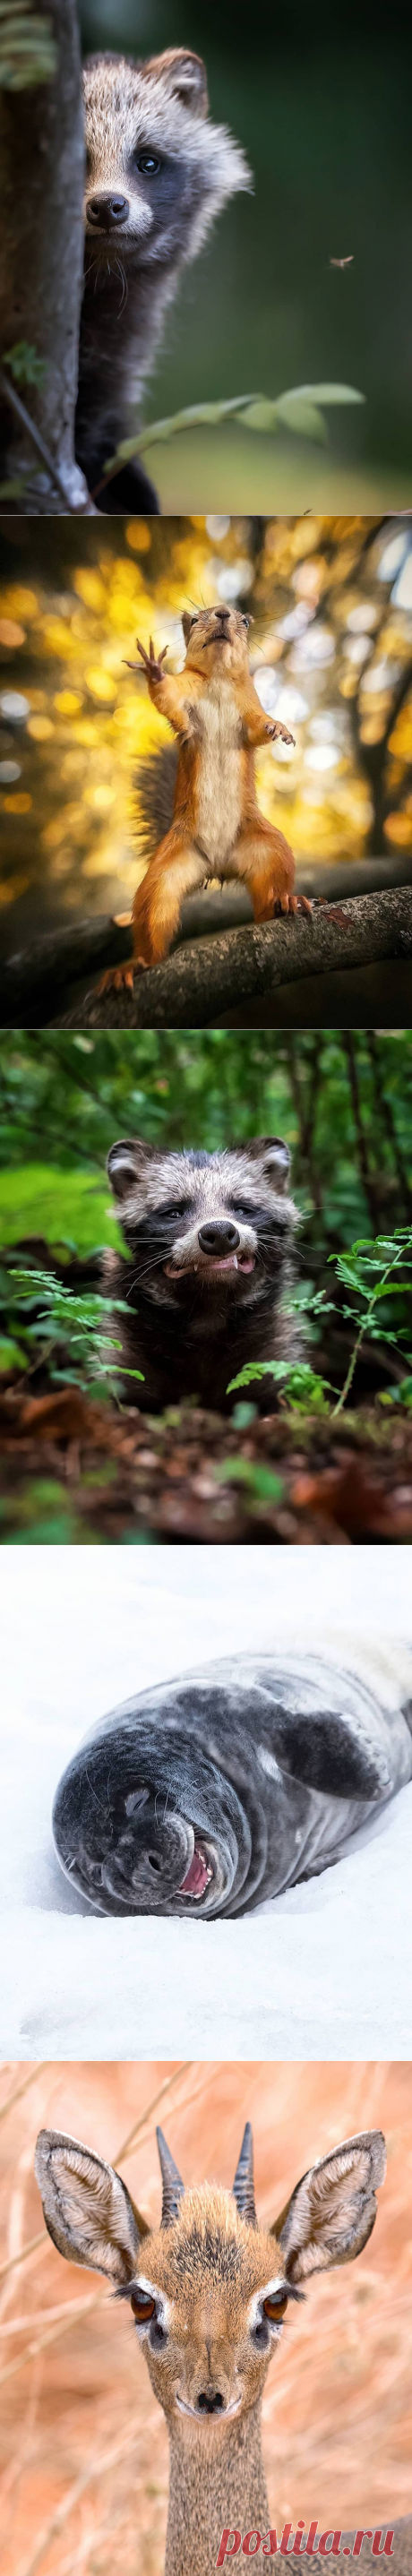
274 1157
184 76
87 2209
333 2209
126 1163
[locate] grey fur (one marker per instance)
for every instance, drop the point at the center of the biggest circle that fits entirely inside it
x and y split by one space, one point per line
229 1784
191 1332
134 260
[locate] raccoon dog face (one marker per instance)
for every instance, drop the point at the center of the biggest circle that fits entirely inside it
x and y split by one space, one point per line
212 1223
158 170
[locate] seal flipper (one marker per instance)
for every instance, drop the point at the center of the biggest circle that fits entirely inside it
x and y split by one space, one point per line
329 1753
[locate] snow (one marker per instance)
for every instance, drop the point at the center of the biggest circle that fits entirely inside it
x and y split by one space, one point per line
323 1971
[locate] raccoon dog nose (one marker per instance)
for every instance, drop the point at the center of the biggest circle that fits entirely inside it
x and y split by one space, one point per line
210 2404
218 1238
107 211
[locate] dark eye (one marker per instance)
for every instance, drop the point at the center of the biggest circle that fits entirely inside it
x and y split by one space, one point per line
274 2308
147 161
246 621
143 2307
240 1208
180 1209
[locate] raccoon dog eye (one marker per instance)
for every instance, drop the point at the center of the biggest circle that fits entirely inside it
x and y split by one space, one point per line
143 2307
147 161
181 1208
274 2308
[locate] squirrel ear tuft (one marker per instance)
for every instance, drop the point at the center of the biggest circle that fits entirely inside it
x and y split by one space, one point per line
184 76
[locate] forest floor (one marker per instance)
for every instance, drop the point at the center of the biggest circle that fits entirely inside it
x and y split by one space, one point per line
76 1470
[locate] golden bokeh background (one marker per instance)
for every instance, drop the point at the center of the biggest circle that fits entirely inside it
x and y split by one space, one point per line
331 653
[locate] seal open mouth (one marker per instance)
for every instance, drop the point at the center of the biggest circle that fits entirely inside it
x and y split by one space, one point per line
211 1266
198 1875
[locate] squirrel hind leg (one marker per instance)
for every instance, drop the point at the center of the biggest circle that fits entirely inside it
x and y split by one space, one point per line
177 869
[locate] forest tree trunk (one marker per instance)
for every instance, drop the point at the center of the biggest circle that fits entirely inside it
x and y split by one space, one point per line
41 265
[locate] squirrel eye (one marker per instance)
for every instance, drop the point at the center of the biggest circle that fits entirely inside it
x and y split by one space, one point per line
274 2308
143 2309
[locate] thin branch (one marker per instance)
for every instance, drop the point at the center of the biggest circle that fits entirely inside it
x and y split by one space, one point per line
78 509
15 2259
126 2148
19 2089
97 2467
53 2336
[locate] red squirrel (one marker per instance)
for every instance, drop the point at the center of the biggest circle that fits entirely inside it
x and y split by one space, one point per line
217 828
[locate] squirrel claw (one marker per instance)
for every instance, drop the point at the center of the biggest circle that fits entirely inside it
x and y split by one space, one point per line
118 979
279 732
152 662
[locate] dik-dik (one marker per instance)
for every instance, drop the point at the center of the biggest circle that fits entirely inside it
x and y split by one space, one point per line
208 2291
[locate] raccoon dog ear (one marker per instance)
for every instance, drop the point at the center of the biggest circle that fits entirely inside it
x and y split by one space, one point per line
184 75
126 1163
274 1157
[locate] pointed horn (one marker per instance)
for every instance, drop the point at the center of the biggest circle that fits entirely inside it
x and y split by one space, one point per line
173 2187
243 2186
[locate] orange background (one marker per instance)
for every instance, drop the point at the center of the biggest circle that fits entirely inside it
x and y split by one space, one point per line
337 2408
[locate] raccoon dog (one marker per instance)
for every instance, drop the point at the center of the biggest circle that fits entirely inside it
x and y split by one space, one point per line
209 1237
158 171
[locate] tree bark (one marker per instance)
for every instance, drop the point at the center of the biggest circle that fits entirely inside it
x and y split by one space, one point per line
41 265
203 975
206 977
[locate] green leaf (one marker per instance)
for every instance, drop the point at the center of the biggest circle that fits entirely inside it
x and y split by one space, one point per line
25 365
303 417
329 393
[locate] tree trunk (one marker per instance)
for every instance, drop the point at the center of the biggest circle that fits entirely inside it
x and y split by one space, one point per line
41 265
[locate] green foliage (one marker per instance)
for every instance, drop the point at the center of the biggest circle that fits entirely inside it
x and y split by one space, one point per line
304 1391
24 364
42 1515
27 48
299 410
70 1208
262 1483
368 1268
80 1324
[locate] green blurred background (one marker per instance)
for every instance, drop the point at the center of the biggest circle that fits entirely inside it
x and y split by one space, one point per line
320 100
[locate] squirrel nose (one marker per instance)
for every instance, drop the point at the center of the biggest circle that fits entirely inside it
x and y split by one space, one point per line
210 2401
218 1238
107 211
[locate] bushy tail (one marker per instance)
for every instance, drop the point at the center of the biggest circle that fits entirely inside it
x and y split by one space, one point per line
155 794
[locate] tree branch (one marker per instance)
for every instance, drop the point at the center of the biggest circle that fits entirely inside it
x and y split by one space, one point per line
206 977
203 972
41 265
8 394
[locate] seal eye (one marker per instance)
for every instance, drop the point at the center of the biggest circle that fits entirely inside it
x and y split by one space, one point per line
275 2308
143 2308
147 161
